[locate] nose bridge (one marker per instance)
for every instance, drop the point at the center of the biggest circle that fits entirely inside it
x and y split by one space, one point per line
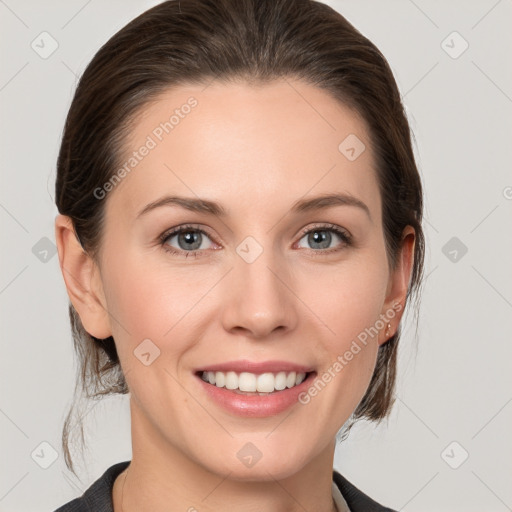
259 301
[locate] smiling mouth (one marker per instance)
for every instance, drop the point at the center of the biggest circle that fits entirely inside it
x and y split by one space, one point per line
246 383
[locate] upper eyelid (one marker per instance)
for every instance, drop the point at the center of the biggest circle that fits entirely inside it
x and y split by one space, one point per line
318 225
326 226
172 232
184 227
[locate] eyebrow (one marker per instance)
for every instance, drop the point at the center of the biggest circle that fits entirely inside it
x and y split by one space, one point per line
213 208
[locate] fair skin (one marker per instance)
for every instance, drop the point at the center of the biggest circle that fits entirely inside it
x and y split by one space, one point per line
256 150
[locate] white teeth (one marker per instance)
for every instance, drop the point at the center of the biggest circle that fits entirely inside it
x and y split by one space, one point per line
231 380
252 383
246 382
265 383
220 379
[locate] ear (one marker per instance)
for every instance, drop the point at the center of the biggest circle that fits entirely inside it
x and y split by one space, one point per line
83 280
398 285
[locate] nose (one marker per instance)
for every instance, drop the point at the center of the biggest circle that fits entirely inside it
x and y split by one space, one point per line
259 298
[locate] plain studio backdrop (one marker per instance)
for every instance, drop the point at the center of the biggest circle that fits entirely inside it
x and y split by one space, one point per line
444 447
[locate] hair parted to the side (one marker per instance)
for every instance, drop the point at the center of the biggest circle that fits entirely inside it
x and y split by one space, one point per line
256 41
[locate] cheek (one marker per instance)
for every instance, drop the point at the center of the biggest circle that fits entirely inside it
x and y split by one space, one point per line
152 302
348 299
155 304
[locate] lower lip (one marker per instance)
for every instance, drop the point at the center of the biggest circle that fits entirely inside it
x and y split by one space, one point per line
256 406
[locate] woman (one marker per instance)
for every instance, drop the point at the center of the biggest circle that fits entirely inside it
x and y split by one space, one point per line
239 235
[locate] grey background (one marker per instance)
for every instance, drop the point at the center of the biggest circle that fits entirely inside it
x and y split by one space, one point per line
455 379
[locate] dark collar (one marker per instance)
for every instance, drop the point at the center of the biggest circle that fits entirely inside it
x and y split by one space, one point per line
98 497
357 500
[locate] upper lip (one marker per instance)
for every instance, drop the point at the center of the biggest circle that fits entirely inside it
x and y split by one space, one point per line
256 367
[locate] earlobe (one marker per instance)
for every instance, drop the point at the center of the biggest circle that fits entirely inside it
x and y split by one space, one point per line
398 286
82 280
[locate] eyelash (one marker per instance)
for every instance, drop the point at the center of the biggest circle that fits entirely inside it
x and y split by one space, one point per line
345 237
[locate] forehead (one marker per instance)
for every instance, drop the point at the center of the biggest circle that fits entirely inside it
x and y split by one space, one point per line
248 143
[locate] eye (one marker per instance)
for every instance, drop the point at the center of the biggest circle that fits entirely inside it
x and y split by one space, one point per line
185 240
321 237
191 240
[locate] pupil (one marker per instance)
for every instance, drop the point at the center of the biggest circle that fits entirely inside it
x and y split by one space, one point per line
323 240
190 238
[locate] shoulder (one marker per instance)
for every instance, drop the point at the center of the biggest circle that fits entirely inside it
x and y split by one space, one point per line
356 499
98 497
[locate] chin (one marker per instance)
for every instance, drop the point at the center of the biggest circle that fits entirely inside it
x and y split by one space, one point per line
250 464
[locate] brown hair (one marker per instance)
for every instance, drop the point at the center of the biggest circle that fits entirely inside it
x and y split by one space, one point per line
194 42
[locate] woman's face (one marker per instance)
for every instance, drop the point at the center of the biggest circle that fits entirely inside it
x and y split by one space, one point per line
266 281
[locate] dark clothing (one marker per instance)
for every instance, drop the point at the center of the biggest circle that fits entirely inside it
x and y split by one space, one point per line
98 497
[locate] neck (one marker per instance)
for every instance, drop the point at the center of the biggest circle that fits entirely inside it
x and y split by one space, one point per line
161 477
